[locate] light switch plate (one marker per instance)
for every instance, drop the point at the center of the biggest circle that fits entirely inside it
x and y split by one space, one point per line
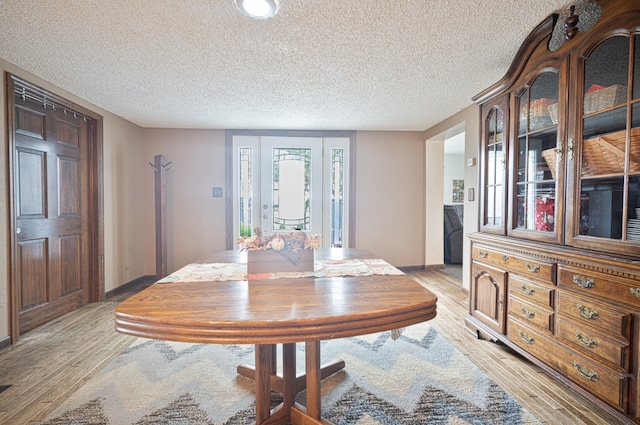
217 192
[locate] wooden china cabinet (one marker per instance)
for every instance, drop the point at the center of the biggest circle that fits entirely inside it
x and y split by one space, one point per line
556 263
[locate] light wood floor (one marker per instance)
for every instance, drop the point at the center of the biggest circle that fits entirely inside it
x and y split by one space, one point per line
50 363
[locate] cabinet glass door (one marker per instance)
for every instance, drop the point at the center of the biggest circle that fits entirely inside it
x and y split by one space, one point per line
493 178
609 152
537 158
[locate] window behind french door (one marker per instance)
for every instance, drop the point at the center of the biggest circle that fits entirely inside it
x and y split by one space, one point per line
286 183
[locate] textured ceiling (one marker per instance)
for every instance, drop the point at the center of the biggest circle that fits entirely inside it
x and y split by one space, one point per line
318 64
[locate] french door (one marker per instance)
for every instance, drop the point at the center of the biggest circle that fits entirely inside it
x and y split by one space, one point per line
287 183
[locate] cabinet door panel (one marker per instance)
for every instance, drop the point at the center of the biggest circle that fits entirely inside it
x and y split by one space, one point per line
606 162
488 299
494 165
538 162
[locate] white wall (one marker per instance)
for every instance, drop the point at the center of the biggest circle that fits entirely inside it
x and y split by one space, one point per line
454 168
467 120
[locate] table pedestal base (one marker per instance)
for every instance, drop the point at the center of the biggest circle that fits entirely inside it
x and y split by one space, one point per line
289 384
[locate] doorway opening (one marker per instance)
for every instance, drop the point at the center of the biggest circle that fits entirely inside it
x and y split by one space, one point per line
453 199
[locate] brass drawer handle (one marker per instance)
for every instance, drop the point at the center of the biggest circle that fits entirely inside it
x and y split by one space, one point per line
636 292
586 341
586 312
585 372
526 338
528 290
528 314
584 282
505 258
482 253
533 268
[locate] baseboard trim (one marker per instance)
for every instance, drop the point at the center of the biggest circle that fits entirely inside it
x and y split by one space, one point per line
5 342
140 282
407 269
431 267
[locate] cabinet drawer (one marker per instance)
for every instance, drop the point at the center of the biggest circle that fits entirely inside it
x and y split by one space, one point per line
531 292
536 316
530 268
593 343
600 285
610 321
604 383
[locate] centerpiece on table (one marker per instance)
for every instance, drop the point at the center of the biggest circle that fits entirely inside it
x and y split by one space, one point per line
279 252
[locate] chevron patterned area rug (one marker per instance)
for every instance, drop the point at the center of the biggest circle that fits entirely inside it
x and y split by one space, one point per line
418 378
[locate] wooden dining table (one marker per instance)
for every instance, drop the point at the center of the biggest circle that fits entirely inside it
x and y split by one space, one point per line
268 312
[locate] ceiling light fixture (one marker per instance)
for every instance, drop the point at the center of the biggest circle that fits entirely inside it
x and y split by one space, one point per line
258 9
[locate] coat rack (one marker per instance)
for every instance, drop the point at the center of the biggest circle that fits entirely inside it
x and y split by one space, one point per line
159 167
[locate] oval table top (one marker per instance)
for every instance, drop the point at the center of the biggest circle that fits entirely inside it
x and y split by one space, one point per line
274 311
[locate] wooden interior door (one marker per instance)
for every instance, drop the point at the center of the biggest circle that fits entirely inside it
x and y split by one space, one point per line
50 200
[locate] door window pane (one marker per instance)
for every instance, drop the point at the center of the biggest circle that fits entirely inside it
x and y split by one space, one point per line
291 183
537 159
495 167
601 207
606 75
337 197
245 168
609 167
636 69
633 222
633 209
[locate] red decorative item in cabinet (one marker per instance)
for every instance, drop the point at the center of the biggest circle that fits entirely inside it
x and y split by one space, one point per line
545 214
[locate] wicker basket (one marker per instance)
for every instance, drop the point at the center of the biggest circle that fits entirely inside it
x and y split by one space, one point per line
606 154
604 98
538 112
553 113
603 154
596 100
550 157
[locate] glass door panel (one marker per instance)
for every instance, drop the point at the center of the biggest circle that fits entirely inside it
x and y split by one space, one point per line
537 155
290 190
283 183
246 167
608 167
601 207
633 202
291 176
636 68
338 194
606 75
495 161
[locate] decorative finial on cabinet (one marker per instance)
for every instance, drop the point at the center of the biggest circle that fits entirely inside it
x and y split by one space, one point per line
571 24
580 17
